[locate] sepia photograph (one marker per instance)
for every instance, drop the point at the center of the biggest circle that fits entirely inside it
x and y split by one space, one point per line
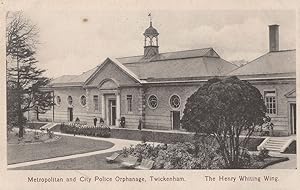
149 94
151 90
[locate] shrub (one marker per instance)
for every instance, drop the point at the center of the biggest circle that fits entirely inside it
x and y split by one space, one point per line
262 155
79 129
177 156
224 108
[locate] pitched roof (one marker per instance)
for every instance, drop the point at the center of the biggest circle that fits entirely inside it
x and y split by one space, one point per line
208 52
279 63
181 68
118 64
72 80
181 64
162 67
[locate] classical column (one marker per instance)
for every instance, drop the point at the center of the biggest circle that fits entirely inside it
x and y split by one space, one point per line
118 107
103 107
87 95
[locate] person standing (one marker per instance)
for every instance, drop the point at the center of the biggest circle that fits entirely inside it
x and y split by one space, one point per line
95 121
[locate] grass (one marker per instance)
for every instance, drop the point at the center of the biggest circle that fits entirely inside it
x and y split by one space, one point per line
292 149
34 125
62 147
95 162
253 143
56 128
267 162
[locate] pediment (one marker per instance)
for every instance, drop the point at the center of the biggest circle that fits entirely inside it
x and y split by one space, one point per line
108 84
111 74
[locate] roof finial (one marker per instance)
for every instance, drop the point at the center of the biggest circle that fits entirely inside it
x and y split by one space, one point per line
150 18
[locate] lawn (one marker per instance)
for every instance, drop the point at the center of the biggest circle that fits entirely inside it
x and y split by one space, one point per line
64 146
95 162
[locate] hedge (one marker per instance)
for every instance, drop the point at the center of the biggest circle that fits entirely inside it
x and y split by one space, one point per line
79 129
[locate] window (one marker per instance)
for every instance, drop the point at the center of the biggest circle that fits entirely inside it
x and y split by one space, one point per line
175 101
129 103
58 100
270 101
96 103
70 100
152 101
83 100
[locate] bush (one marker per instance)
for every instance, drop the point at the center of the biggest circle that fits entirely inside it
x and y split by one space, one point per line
262 155
79 129
177 156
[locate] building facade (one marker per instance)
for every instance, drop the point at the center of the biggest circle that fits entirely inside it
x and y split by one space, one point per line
152 89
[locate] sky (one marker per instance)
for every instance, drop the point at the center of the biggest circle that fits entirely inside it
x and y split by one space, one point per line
72 42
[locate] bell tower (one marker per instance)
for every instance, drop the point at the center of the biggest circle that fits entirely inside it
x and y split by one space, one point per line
151 41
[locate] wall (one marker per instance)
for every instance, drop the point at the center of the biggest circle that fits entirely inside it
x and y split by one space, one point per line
131 118
61 111
160 118
91 112
280 120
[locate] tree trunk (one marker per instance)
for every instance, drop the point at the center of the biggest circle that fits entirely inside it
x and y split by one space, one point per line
37 115
21 128
20 123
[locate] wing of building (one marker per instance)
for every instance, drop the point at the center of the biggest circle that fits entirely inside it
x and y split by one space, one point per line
153 88
274 74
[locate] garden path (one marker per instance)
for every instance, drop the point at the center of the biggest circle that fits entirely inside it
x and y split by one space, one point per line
289 164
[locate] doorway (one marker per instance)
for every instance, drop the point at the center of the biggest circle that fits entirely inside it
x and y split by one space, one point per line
112 112
293 118
70 114
175 120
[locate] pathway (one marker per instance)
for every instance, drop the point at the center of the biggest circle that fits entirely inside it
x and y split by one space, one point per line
118 145
289 164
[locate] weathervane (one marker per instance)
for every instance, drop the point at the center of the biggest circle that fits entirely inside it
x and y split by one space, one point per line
150 18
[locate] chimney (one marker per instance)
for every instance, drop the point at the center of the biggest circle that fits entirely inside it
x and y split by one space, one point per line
273 37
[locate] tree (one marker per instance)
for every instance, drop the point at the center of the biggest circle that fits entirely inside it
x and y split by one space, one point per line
223 109
24 79
42 99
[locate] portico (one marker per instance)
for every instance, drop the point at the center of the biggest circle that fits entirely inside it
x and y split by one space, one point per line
110 102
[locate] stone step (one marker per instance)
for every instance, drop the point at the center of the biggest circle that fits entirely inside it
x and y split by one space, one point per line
275 144
278 141
276 147
48 126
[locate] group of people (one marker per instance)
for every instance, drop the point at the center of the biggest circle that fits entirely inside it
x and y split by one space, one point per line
98 123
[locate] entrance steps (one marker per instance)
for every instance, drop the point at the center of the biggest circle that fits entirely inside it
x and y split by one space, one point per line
48 126
276 144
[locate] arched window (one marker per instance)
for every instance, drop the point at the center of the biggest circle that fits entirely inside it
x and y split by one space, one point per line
152 101
83 100
58 100
175 101
70 100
